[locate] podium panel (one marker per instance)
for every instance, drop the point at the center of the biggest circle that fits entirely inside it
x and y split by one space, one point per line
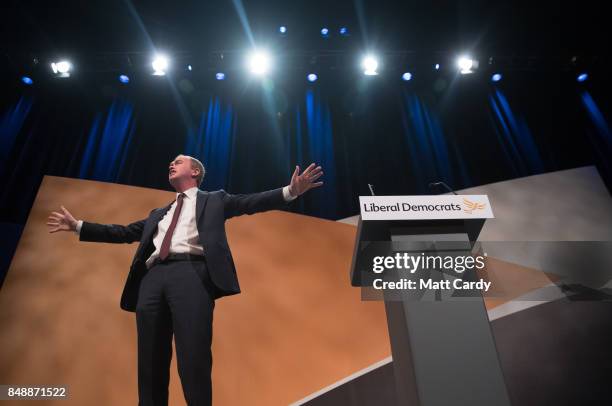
442 346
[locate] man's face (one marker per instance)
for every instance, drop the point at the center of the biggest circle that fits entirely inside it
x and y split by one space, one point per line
180 169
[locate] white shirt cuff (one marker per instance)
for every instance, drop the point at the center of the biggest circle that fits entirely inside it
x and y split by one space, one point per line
78 227
287 195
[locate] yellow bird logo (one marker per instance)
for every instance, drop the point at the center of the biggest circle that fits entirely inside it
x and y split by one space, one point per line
471 206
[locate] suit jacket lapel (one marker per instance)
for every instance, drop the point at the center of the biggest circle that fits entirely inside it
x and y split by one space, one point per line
154 219
158 214
200 204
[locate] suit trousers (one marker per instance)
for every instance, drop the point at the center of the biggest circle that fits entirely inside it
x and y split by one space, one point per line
175 297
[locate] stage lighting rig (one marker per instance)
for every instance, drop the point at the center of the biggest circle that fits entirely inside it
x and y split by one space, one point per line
62 69
467 65
259 62
370 65
160 65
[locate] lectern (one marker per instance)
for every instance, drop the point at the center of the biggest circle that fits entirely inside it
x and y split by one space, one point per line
442 346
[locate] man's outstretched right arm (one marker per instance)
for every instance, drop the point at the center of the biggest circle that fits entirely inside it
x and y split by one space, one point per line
111 233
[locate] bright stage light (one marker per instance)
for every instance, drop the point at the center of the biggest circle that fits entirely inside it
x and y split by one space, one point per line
282 29
496 77
220 76
437 66
189 68
160 65
259 62
369 65
466 65
407 76
582 77
124 79
27 80
312 77
343 31
62 68
325 32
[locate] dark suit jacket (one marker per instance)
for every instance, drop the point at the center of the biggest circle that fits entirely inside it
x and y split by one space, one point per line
212 209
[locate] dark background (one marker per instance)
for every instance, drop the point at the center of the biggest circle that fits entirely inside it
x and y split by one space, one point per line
250 133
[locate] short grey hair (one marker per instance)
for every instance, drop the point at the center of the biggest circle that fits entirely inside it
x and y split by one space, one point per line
195 163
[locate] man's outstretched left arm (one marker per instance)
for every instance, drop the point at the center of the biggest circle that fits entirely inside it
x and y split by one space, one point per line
239 204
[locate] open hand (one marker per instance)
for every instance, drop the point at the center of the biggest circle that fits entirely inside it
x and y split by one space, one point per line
61 221
306 181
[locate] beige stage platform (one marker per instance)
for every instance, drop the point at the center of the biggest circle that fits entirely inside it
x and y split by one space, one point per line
297 327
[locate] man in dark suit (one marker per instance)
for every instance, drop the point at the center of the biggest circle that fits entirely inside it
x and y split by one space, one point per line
182 264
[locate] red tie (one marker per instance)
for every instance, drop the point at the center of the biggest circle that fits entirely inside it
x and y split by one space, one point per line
165 247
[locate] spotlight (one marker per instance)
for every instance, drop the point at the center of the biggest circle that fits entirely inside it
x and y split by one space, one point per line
312 77
160 65
466 65
369 64
259 62
220 76
62 68
407 76
325 32
189 68
496 77
343 31
282 29
582 77
27 80
437 66
124 79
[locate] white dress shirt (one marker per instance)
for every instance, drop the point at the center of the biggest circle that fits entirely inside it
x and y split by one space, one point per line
185 236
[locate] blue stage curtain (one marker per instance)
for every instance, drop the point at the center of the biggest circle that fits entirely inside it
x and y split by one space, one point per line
599 134
10 126
514 137
108 143
212 142
430 158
